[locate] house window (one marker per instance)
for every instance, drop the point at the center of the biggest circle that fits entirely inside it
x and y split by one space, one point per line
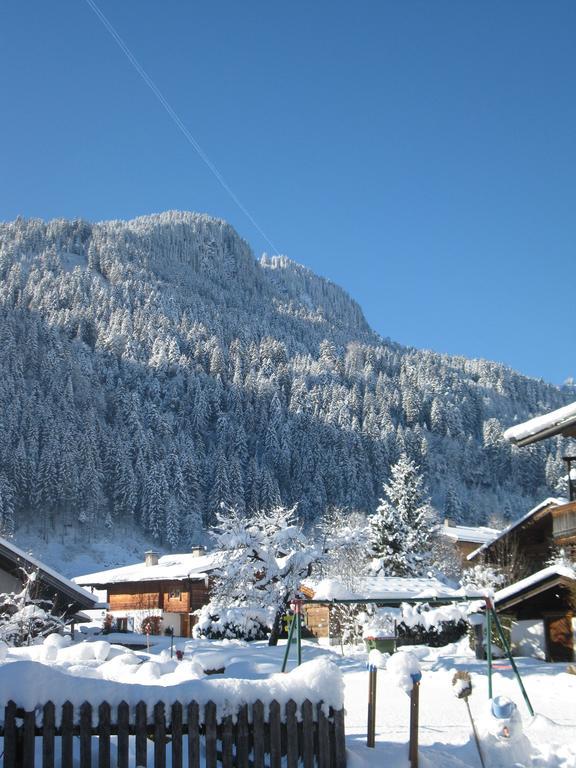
175 594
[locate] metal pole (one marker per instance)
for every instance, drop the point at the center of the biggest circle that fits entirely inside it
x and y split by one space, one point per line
474 731
510 657
489 646
371 728
414 707
288 644
298 617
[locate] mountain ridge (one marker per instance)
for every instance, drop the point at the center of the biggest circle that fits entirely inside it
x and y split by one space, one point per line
182 373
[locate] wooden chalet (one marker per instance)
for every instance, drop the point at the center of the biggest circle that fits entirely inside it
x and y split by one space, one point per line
467 538
524 546
68 598
543 606
158 595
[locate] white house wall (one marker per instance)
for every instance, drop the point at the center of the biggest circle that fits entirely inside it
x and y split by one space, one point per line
528 638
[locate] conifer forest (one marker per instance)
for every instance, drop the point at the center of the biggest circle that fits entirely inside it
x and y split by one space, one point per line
155 371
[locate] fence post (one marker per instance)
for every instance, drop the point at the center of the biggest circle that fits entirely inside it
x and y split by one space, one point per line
372 686
414 712
489 645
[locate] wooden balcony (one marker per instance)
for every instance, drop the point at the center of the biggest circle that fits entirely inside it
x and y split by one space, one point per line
564 523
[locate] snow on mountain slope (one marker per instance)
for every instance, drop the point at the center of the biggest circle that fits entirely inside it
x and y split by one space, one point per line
152 370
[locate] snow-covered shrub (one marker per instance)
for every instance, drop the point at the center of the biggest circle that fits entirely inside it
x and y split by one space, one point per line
382 623
241 623
422 625
24 617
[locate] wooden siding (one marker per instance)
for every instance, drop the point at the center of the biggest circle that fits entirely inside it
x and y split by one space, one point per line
199 593
564 523
176 596
317 619
157 594
136 596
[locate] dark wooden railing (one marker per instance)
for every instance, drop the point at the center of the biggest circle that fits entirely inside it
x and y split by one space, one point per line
303 736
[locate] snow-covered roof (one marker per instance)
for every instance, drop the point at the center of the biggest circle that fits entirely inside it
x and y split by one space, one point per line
392 588
475 534
549 573
549 502
550 424
51 577
169 568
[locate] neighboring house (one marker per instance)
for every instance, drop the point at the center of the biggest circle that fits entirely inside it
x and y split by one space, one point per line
542 596
466 538
543 608
383 591
527 544
68 598
157 595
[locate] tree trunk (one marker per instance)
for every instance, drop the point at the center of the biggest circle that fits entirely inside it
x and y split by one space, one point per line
276 627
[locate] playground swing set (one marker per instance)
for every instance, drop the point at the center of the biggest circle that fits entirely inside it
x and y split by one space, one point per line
491 619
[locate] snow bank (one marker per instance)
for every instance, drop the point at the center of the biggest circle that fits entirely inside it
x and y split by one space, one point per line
31 684
402 666
378 659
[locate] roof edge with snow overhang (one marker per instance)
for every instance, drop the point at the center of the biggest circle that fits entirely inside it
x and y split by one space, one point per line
387 589
549 502
48 575
551 574
176 567
562 421
472 534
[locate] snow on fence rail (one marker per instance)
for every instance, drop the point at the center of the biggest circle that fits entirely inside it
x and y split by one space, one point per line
258 736
51 718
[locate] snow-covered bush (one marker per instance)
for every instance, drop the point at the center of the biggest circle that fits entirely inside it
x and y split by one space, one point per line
483 576
422 625
381 623
24 617
240 623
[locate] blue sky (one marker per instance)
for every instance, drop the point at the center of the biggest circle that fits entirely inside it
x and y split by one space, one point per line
420 154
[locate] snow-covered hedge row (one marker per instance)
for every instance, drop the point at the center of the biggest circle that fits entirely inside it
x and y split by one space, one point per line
226 623
419 624
422 625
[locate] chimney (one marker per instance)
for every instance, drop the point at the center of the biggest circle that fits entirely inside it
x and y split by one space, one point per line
151 557
198 551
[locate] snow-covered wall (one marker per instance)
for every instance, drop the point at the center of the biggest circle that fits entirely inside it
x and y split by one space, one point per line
528 639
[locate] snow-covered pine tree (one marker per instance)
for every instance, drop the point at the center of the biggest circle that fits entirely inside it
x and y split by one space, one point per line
403 525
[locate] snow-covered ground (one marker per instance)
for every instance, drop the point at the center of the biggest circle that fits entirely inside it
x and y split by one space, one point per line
548 739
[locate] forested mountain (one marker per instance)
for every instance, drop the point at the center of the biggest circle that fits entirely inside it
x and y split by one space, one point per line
152 370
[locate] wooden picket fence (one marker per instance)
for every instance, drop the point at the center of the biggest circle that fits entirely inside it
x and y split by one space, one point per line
300 736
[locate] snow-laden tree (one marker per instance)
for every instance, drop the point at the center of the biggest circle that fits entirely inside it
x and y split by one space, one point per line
263 559
26 614
404 523
343 539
